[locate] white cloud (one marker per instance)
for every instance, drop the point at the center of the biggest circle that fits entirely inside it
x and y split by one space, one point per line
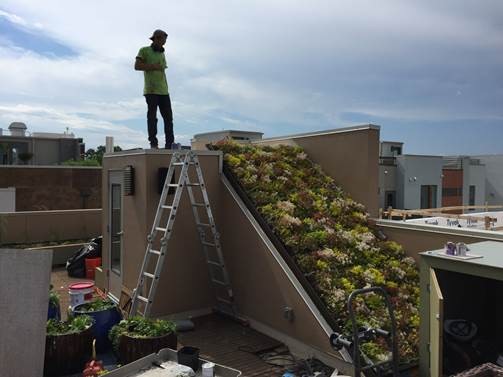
255 63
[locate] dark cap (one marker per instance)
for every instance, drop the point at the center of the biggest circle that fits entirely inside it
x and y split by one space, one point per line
158 33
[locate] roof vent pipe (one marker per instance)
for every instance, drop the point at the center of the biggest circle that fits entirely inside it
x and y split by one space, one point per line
17 129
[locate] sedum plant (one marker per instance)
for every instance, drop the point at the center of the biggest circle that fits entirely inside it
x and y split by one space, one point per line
329 236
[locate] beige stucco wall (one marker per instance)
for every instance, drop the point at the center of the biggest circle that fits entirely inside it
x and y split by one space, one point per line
40 226
184 283
417 238
350 156
262 289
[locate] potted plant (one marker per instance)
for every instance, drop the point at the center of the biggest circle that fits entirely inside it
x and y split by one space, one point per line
136 337
54 311
105 314
68 345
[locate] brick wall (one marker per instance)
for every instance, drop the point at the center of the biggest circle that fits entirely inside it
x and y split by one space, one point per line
53 188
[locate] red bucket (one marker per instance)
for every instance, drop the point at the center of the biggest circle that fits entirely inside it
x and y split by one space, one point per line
91 264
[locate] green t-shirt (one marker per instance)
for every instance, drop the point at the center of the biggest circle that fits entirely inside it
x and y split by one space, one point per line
155 81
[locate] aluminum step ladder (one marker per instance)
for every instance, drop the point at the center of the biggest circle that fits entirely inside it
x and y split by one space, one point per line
144 293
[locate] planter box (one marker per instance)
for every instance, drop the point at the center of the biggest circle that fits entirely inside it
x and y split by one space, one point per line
67 354
131 349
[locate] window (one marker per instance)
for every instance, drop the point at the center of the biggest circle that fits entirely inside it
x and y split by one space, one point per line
428 196
396 150
471 197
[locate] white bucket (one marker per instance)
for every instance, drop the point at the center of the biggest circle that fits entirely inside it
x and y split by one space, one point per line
80 293
208 369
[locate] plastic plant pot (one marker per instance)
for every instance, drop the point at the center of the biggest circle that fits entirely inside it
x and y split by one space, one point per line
104 320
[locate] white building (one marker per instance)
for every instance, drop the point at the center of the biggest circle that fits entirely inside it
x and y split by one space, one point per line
419 181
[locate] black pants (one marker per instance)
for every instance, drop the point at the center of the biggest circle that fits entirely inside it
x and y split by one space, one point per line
164 103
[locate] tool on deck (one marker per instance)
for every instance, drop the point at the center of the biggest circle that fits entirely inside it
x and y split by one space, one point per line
364 334
162 229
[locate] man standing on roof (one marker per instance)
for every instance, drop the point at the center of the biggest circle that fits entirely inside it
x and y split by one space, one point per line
152 62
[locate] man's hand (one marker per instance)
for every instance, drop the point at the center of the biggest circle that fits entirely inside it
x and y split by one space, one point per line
141 66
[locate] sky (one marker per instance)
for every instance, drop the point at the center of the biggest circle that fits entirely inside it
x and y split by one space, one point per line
429 72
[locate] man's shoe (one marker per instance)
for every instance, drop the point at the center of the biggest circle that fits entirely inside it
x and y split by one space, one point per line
168 146
154 146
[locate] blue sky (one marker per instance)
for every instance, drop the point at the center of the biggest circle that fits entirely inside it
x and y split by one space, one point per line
428 72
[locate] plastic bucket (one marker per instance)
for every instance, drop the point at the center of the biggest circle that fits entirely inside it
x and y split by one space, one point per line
104 320
189 356
91 264
80 293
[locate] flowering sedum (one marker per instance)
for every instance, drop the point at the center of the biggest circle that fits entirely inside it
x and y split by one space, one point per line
329 237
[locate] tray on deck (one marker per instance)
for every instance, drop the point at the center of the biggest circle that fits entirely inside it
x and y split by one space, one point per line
141 366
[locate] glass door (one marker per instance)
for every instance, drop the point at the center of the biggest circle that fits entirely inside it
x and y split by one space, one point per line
115 233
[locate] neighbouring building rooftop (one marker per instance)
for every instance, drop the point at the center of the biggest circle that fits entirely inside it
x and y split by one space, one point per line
474 220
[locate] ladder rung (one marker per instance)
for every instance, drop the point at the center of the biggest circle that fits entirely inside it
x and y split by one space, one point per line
218 264
177 163
172 185
219 282
149 275
166 207
203 224
141 298
208 244
193 184
224 300
160 229
199 205
156 252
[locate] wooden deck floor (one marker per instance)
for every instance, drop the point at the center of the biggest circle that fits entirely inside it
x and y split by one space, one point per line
229 343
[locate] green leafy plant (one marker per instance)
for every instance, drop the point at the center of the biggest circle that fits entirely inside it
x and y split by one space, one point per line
90 162
330 238
97 305
73 325
53 298
139 327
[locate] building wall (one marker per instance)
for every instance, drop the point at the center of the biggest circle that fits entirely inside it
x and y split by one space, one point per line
261 288
46 151
53 188
387 182
413 172
184 283
43 226
494 178
475 175
8 199
350 156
